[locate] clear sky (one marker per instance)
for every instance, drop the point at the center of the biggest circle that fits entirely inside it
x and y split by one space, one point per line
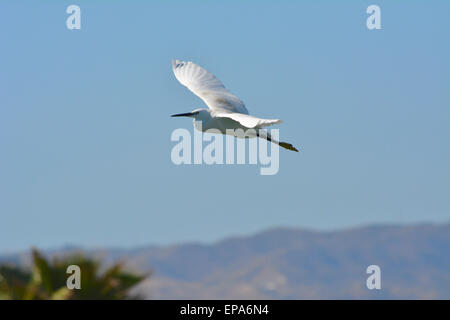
85 127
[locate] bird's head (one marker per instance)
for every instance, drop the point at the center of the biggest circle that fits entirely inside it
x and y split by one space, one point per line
197 114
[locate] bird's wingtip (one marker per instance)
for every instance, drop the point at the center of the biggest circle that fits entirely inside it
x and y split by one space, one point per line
178 63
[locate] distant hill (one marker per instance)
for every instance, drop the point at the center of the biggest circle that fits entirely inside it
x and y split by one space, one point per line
285 263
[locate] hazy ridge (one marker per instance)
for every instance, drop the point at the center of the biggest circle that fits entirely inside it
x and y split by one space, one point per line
287 263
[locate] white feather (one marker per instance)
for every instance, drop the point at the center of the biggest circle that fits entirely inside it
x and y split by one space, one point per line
247 120
206 86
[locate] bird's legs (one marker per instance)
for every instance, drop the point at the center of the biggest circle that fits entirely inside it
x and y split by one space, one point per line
266 135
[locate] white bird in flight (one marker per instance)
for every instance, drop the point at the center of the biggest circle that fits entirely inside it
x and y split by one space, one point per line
226 111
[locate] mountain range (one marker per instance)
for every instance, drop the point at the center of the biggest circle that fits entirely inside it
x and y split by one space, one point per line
289 263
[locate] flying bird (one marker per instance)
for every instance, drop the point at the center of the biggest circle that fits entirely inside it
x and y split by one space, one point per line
226 111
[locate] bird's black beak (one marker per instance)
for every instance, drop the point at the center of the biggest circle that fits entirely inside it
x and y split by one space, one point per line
187 114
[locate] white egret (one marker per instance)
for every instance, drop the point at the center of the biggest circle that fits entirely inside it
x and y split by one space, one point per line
226 111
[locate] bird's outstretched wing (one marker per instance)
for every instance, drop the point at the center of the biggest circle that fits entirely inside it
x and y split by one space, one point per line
206 86
248 121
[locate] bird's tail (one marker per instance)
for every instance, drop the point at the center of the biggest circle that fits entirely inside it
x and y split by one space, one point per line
267 136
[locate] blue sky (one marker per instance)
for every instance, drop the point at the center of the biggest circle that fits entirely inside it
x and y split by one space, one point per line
85 127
